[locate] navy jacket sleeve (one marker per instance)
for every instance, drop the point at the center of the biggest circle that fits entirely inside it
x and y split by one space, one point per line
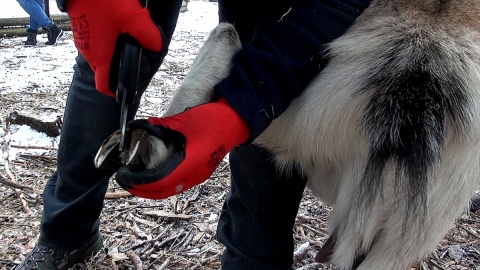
283 57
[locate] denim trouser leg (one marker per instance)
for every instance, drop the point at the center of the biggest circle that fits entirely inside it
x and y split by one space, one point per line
36 10
73 196
256 223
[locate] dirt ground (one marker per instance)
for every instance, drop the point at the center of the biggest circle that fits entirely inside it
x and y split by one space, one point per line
176 233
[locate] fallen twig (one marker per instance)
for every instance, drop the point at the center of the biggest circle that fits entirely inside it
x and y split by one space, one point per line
165 214
20 194
309 266
169 239
300 252
160 235
15 185
469 231
135 259
33 147
117 195
164 264
437 265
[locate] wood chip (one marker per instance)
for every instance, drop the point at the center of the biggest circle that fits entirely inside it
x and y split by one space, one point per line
135 259
168 215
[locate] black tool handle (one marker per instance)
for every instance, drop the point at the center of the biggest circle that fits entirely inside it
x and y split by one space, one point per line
129 71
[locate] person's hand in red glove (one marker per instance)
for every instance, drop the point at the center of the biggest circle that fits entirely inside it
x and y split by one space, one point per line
97 26
201 137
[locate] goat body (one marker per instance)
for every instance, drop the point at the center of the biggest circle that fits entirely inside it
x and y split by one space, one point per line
388 133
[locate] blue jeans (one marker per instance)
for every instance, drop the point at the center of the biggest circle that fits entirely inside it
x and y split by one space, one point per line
73 196
36 10
257 219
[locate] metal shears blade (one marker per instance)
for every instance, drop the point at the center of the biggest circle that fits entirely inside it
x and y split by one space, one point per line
127 82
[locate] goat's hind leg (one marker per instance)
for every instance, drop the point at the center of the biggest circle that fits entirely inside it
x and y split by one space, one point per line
404 239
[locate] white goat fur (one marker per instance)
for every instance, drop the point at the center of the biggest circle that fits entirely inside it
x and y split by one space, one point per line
322 132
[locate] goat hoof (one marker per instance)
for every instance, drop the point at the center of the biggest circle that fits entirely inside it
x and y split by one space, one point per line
141 151
108 155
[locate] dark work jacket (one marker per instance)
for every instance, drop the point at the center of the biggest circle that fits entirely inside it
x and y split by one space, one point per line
282 57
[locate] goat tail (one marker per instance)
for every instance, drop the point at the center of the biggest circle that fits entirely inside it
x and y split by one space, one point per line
412 107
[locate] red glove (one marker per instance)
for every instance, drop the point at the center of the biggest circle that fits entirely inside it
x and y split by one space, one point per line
201 136
97 25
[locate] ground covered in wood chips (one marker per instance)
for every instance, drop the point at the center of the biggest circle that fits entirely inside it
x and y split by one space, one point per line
176 233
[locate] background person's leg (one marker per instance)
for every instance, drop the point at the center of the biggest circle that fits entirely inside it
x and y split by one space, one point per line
36 10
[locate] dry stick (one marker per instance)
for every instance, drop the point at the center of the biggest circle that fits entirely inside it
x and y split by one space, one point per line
187 240
164 264
33 147
114 266
437 265
184 239
20 194
469 231
17 186
319 231
300 252
194 267
154 239
424 265
135 259
209 259
172 238
309 266
118 195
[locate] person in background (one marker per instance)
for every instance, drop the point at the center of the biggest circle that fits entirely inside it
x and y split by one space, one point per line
38 18
283 49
